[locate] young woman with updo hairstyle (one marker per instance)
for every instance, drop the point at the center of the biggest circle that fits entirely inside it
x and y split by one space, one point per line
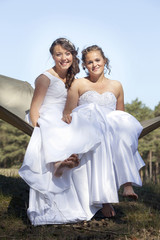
116 160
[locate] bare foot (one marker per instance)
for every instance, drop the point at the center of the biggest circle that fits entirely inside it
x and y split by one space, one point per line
108 210
129 192
60 166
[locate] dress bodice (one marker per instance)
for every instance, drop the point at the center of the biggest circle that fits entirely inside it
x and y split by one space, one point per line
56 93
106 99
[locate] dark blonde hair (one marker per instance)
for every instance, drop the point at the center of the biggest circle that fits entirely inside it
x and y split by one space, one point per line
95 48
74 68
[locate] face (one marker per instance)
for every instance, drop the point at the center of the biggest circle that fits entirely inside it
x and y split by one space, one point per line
94 62
62 57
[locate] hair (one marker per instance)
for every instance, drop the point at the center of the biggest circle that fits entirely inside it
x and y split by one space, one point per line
95 48
74 68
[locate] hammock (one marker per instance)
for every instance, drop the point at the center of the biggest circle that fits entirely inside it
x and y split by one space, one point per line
15 99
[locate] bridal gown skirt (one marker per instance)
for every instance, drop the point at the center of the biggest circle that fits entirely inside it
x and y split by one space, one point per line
106 142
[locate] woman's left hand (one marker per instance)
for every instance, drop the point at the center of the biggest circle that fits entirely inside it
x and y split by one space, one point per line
67 118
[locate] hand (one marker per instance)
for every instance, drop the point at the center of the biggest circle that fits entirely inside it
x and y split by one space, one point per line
67 118
74 157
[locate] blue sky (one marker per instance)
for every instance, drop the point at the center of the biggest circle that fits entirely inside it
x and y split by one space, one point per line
128 31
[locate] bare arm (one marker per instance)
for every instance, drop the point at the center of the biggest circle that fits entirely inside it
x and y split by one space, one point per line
120 99
71 103
42 84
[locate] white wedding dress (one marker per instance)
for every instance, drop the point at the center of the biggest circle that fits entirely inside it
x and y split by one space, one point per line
106 141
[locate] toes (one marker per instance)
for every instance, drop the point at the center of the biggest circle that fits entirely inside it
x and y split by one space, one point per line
113 213
108 214
58 174
108 211
133 196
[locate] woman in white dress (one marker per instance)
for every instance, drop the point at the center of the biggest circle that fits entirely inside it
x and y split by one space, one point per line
94 133
55 200
116 160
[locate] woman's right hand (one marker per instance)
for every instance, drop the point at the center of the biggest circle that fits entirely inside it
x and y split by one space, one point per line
67 118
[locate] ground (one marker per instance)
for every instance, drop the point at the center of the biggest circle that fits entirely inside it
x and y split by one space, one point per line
138 220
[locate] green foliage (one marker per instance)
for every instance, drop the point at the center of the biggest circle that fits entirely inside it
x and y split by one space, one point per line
13 144
151 142
156 144
139 110
157 110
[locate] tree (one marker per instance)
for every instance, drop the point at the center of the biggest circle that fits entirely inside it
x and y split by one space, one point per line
157 110
13 144
149 146
139 110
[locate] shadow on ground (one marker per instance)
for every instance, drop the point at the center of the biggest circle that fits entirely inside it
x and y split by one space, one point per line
18 190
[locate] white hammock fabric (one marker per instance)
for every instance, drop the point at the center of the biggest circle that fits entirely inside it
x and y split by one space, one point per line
15 95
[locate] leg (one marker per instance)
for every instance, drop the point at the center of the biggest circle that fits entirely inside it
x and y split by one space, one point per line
108 210
129 192
69 163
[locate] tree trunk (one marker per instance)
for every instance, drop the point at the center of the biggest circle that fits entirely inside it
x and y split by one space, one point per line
150 164
146 172
157 172
142 175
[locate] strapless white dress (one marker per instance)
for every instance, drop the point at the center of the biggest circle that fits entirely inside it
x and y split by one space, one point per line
106 141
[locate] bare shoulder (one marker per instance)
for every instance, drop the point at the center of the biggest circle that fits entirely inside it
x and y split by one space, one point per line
116 83
42 80
78 82
117 86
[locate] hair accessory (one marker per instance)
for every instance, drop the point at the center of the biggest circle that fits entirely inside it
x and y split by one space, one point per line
64 40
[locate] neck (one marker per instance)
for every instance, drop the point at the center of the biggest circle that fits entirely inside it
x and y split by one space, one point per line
98 78
61 73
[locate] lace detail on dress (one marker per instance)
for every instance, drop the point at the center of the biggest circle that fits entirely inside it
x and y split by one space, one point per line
106 99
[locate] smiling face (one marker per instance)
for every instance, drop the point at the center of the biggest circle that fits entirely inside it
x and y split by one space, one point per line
94 62
62 57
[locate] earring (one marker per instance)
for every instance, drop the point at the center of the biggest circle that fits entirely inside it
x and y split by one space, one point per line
84 68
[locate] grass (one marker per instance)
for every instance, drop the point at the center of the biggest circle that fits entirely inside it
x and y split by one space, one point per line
134 220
